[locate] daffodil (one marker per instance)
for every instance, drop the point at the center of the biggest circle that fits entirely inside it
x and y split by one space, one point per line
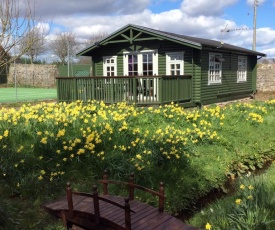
238 201
242 186
208 226
250 187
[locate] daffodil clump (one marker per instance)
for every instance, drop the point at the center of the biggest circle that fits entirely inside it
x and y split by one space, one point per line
49 143
50 139
252 206
253 113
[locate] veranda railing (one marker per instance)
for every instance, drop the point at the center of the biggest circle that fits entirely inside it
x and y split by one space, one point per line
141 90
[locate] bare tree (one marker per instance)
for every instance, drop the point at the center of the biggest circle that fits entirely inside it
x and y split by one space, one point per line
64 46
97 37
35 37
16 21
93 39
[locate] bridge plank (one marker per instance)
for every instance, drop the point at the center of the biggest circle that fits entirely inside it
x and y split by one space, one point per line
145 217
113 212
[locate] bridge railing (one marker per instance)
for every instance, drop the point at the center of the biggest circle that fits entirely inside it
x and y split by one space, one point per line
131 188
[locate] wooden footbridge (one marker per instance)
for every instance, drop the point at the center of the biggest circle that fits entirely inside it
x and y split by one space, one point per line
108 212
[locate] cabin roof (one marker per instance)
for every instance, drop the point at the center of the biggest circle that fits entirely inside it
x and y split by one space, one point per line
195 42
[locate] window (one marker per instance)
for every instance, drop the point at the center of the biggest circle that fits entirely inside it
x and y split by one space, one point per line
215 69
110 66
174 64
242 69
132 65
147 62
142 63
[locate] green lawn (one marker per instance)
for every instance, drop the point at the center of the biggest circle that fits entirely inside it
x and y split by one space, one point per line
26 94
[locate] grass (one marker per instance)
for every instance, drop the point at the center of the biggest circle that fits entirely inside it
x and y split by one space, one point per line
251 207
191 151
8 95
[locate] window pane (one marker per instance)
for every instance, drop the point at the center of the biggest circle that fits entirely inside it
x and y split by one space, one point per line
145 68
145 58
135 67
130 59
150 58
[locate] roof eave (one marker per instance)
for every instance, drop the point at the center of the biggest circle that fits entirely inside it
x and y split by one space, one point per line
165 36
243 51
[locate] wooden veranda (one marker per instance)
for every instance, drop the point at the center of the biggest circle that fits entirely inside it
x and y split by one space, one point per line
109 212
141 90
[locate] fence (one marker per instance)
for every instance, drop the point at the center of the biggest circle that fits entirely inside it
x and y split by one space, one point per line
142 90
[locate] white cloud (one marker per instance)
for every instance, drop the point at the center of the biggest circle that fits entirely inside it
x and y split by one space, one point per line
205 7
43 27
173 21
55 8
199 18
270 52
258 2
265 36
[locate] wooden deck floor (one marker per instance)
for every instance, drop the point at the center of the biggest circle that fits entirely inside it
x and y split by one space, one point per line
143 216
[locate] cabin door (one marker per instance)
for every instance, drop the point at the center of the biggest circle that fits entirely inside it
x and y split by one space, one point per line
143 64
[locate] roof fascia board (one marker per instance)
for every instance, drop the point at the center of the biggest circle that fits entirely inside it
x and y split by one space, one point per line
111 36
169 37
239 52
155 34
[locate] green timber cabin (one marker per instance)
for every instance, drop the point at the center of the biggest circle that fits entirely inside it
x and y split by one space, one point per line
145 66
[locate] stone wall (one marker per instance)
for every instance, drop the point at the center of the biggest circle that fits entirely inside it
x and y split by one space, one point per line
33 75
266 78
44 76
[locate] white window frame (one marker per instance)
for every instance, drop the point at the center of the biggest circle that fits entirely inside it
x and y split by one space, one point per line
139 57
179 60
242 69
215 74
106 65
140 65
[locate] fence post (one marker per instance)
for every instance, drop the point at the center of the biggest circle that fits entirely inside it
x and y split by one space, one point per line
75 89
127 215
96 204
161 90
105 183
131 186
135 89
113 91
161 199
70 200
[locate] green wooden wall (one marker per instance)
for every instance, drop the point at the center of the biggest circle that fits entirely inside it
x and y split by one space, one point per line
196 63
191 59
229 89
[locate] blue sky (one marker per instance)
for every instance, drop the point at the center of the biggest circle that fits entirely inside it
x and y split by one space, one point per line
241 12
200 18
